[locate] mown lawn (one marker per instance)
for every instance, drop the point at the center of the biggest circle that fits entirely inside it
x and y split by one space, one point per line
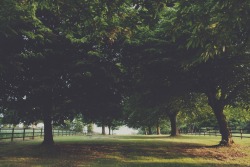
128 151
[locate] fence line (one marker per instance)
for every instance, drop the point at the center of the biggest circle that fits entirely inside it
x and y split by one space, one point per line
31 133
242 133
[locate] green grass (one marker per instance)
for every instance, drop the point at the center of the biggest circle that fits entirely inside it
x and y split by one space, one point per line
151 151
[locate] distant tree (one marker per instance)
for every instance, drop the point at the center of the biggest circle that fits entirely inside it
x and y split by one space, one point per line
197 114
90 128
140 115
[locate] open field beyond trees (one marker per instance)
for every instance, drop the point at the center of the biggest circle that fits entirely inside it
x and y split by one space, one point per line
126 151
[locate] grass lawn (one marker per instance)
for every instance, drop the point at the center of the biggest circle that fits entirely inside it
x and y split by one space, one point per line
153 151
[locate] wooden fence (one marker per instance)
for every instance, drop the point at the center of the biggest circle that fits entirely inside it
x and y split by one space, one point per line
30 133
242 133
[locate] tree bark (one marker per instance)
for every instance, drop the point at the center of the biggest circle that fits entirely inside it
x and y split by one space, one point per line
103 129
173 122
109 130
158 129
48 136
218 107
226 137
150 130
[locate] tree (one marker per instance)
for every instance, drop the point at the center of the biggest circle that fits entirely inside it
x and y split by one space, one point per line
153 64
21 29
197 114
16 20
90 128
77 124
139 115
39 90
50 60
99 70
220 62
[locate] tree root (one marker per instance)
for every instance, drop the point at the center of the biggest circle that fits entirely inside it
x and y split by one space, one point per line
226 143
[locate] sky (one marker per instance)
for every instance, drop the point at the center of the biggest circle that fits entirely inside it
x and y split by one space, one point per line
123 130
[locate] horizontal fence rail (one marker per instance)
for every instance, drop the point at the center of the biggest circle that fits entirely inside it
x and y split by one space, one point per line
242 133
30 133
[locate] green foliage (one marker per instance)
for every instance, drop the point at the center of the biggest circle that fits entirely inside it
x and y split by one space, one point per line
204 22
237 116
197 114
61 58
76 124
90 128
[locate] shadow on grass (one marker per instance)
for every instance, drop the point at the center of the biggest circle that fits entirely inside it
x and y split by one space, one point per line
148 163
178 164
145 137
118 153
152 137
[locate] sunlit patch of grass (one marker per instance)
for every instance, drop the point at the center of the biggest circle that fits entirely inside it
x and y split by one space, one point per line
126 151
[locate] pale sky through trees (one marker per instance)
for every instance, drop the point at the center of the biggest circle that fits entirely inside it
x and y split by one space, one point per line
123 130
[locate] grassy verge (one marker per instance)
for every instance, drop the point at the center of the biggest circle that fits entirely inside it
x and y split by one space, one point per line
126 151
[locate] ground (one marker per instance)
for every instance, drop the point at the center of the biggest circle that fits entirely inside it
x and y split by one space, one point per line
126 151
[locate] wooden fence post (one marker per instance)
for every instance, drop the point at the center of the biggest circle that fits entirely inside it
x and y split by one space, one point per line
33 134
12 134
23 133
241 133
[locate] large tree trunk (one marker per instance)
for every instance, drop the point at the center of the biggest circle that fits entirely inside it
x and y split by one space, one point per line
48 136
218 107
103 129
173 122
226 137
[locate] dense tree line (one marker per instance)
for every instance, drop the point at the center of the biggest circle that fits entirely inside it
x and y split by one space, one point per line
124 62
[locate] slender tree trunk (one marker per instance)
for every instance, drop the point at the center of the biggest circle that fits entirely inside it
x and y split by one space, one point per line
48 136
150 130
158 129
103 129
218 107
173 122
109 129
